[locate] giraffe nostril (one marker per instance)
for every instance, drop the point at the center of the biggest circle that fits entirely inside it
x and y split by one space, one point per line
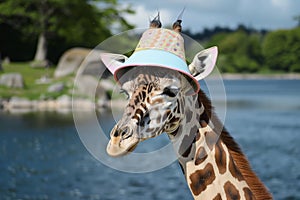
121 132
116 133
125 132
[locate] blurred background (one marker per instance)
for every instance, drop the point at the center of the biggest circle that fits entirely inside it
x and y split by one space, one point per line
45 43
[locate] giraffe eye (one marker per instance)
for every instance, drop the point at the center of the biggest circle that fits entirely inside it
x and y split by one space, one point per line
122 91
170 91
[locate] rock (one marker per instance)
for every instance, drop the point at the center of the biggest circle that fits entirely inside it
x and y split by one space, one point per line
20 103
6 61
92 65
64 101
57 87
70 61
107 85
83 104
39 64
87 85
12 80
43 80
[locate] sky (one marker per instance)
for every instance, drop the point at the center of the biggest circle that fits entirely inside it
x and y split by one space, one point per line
200 14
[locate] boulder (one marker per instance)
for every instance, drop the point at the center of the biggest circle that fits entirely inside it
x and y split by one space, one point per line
56 87
70 61
107 84
87 85
12 80
6 61
92 65
39 64
64 101
83 104
20 103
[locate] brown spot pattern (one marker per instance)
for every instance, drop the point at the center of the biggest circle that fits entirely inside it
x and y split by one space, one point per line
149 129
198 135
218 197
203 123
165 117
220 157
248 194
201 178
189 116
235 172
174 120
204 117
211 139
231 192
158 119
194 129
158 101
201 155
186 145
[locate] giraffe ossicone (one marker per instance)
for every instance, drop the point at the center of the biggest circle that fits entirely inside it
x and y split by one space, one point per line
165 97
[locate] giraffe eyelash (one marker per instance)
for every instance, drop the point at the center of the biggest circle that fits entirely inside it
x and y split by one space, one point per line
122 91
170 91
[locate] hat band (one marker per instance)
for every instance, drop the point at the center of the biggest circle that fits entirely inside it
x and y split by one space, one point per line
157 57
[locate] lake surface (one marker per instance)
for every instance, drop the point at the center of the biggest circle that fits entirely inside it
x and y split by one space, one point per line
42 157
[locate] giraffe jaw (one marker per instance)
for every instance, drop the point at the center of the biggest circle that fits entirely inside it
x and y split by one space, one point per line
115 149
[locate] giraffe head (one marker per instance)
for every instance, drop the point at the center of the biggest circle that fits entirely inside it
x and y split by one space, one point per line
153 107
155 96
155 78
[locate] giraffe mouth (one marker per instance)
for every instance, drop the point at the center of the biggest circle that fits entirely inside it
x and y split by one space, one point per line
116 150
131 149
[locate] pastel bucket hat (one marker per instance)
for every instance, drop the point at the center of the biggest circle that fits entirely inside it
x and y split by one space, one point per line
159 47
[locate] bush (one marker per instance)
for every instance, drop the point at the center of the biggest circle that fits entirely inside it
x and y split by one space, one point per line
281 50
241 51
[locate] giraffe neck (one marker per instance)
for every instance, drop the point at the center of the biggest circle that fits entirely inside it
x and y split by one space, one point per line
212 162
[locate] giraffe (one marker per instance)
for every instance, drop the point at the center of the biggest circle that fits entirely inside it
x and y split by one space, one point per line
164 100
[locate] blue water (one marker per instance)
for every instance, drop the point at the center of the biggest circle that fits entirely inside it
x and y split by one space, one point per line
42 157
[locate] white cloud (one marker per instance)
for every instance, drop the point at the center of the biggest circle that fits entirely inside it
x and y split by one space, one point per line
143 15
268 14
281 4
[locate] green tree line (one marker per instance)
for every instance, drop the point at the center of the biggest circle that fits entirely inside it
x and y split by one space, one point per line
244 51
44 29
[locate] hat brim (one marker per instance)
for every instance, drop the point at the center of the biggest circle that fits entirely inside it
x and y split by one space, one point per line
123 70
151 58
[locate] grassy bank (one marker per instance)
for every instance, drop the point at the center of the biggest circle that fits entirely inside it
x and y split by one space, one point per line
32 89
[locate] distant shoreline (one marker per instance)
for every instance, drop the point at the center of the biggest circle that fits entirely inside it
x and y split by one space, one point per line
290 76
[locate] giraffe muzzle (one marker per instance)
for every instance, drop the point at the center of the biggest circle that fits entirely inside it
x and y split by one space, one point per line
124 132
121 141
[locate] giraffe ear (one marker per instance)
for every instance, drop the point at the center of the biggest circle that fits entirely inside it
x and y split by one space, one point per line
113 61
204 63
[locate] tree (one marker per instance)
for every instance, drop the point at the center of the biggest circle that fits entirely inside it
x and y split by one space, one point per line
77 21
241 51
297 18
281 50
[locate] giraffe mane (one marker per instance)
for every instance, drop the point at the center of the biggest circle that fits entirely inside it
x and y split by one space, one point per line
257 187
